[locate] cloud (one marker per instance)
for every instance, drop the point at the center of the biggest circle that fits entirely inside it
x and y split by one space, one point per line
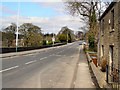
53 24
53 0
50 25
32 0
58 7
7 10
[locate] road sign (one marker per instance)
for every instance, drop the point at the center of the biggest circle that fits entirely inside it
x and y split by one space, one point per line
53 39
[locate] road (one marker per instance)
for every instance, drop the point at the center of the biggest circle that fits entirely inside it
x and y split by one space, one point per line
48 69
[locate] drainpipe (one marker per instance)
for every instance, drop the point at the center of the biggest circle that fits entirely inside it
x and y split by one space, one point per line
99 43
99 35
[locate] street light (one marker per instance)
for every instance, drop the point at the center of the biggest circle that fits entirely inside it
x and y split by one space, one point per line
53 39
17 26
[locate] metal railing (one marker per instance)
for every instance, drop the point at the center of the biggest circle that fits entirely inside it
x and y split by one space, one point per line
112 77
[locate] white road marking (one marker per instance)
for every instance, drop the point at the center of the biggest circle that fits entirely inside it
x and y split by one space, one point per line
43 58
71 56
30 62
51 55
9 68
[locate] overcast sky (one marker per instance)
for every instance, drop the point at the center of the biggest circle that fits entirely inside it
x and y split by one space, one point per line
50 16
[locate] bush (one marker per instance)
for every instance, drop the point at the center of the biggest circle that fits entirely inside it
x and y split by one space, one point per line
103 63
62 38
57 41
50 43
92 44
44 42
69 38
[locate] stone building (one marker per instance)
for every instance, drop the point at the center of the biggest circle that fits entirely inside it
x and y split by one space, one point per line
79 35
110 35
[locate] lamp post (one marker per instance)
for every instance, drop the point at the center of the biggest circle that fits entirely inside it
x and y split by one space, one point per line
53 39
17 26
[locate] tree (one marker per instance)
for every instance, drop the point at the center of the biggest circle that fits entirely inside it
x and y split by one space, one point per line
92 44
90 12
66 31
81 9
62 37
69 38
28 28
43 42
9 34
32 34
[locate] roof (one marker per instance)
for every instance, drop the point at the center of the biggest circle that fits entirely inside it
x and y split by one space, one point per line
107 10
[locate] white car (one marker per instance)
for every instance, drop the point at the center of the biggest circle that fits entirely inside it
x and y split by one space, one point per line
84 43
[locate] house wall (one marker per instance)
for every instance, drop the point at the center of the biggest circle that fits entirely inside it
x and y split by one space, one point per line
119 34
110 37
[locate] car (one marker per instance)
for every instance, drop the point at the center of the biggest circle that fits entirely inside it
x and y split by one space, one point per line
84 43
80 43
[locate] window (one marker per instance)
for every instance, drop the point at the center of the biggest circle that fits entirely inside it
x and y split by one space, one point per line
112 19
111 57
102 51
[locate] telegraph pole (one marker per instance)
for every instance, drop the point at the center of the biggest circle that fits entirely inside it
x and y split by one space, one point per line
17 26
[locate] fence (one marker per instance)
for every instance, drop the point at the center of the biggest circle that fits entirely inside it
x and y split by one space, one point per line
112 77
13 49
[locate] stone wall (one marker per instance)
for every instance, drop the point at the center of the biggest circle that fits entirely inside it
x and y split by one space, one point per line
99 75
119 33
110 36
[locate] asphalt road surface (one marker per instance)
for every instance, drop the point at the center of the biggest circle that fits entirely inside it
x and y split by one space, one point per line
48 69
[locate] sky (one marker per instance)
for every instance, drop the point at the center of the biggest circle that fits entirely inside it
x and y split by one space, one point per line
50 16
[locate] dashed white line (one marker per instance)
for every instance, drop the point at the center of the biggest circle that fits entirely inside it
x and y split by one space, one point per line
30 62
43 58
9 68
50 55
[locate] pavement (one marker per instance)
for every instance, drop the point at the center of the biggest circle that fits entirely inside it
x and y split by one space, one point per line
83 78
62 67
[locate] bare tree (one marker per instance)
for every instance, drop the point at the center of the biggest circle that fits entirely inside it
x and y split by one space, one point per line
89 13
81 9
10 34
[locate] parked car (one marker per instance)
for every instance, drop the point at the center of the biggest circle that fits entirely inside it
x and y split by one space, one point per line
84 43
80 43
